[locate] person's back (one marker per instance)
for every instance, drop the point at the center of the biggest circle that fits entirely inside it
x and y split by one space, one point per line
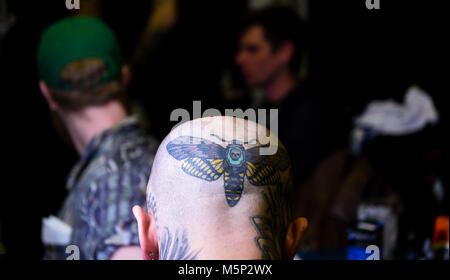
104 185
84 82
214 194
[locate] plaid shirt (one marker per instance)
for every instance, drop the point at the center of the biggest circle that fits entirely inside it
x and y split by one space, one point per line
104 185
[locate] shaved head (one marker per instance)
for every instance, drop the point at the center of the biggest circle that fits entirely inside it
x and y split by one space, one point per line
214 193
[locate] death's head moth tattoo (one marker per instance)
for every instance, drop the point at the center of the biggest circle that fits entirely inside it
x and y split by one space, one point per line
207 160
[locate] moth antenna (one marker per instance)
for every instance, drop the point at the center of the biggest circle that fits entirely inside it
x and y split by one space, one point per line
221 139
253 141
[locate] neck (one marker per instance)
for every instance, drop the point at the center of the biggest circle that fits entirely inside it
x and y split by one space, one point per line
84 125
279 88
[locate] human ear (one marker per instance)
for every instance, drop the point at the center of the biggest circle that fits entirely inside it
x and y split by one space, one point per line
126 75
286 51
293 237
147 233
46 93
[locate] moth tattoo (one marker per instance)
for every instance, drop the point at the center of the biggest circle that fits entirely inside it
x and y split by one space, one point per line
207 160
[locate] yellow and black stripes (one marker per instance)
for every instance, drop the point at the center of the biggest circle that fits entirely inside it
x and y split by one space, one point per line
208 161
234 185
262 175
209 170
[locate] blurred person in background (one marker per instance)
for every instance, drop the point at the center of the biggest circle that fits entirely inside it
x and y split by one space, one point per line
392 174
84 81
269 57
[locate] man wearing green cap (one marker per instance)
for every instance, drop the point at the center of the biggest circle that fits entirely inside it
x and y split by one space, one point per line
83 81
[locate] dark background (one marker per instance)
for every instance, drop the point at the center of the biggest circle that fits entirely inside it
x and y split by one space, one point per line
356 55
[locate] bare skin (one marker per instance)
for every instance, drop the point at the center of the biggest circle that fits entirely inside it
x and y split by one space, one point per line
84 125
211 190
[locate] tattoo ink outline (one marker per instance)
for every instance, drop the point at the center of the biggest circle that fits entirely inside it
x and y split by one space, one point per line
207 160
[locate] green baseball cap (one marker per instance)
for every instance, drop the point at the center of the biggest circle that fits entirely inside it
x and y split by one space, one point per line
76 38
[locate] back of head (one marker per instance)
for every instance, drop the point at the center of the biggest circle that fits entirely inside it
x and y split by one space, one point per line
79 59
216 194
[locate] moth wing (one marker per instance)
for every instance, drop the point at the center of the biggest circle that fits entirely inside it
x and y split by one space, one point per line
184 147
280 160
206 169
262 174
265 170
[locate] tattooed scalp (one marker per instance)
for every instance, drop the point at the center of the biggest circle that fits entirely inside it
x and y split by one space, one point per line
222 198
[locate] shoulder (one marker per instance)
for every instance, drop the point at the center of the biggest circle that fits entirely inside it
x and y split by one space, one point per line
130 150
122 163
